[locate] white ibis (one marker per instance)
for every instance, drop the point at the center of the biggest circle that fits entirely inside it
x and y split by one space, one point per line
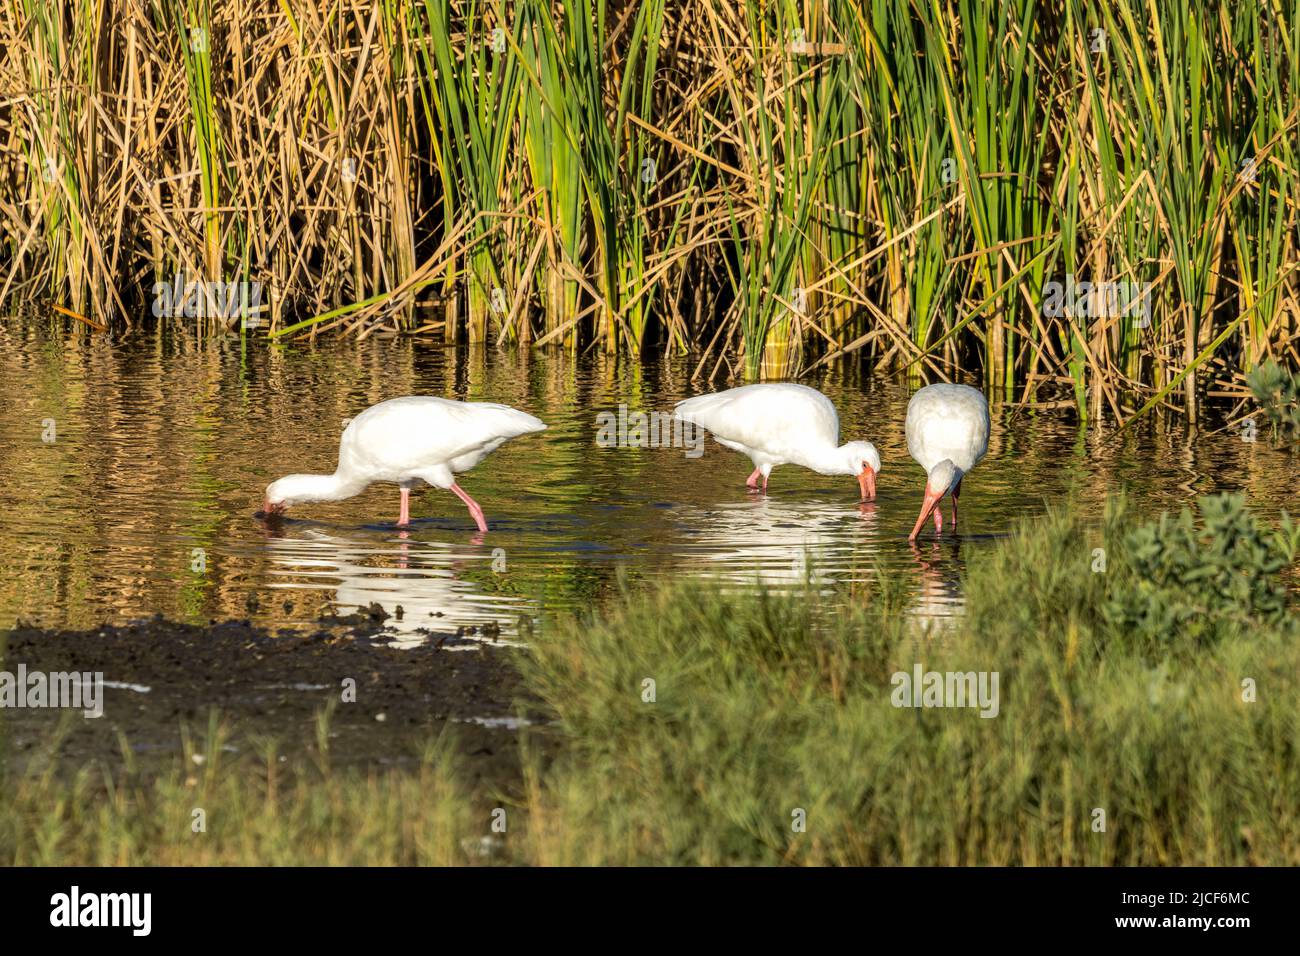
408 440
947 435
779 424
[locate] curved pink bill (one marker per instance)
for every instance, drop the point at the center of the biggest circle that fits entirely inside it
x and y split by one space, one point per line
867 483
932 498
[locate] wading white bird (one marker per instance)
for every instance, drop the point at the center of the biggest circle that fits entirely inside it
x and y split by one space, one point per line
947 435
408 440
779 424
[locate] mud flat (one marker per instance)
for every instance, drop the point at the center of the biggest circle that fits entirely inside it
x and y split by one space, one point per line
387 702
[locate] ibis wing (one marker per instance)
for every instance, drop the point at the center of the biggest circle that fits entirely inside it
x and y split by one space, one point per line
947 422
416 431
777 419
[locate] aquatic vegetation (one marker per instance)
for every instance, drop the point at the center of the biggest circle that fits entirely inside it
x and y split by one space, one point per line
768 185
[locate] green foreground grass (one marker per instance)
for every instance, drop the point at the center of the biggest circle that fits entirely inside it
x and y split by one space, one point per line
1148 671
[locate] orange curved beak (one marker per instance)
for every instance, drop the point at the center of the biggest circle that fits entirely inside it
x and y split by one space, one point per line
269 509
867 483
932 498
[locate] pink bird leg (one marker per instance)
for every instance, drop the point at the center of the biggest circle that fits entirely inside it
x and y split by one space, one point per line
470 503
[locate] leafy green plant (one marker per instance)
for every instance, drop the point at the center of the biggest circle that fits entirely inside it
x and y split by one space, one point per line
1278 394
1187 582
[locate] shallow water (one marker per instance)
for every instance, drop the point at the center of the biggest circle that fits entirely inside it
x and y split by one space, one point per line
143 500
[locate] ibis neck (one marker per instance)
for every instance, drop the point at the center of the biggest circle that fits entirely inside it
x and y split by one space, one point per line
335 487
944 477
830 460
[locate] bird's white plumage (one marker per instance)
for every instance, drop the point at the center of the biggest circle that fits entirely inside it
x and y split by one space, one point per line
772 423
947 422
409 440
425 437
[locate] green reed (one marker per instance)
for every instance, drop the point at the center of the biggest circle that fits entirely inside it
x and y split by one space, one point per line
57 48
912 169
668 174
470 101
192 20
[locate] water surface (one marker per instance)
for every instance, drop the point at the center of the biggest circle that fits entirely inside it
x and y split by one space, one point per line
130 471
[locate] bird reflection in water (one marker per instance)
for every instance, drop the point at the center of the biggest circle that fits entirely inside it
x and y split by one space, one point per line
939 581
423 586
784 542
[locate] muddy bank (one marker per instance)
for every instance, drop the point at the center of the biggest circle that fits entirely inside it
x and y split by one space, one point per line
160 675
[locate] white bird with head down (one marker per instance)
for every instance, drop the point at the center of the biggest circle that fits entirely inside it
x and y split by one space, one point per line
947 435
408 440
778 424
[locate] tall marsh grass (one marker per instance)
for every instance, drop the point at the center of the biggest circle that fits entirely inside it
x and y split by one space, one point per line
770 185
